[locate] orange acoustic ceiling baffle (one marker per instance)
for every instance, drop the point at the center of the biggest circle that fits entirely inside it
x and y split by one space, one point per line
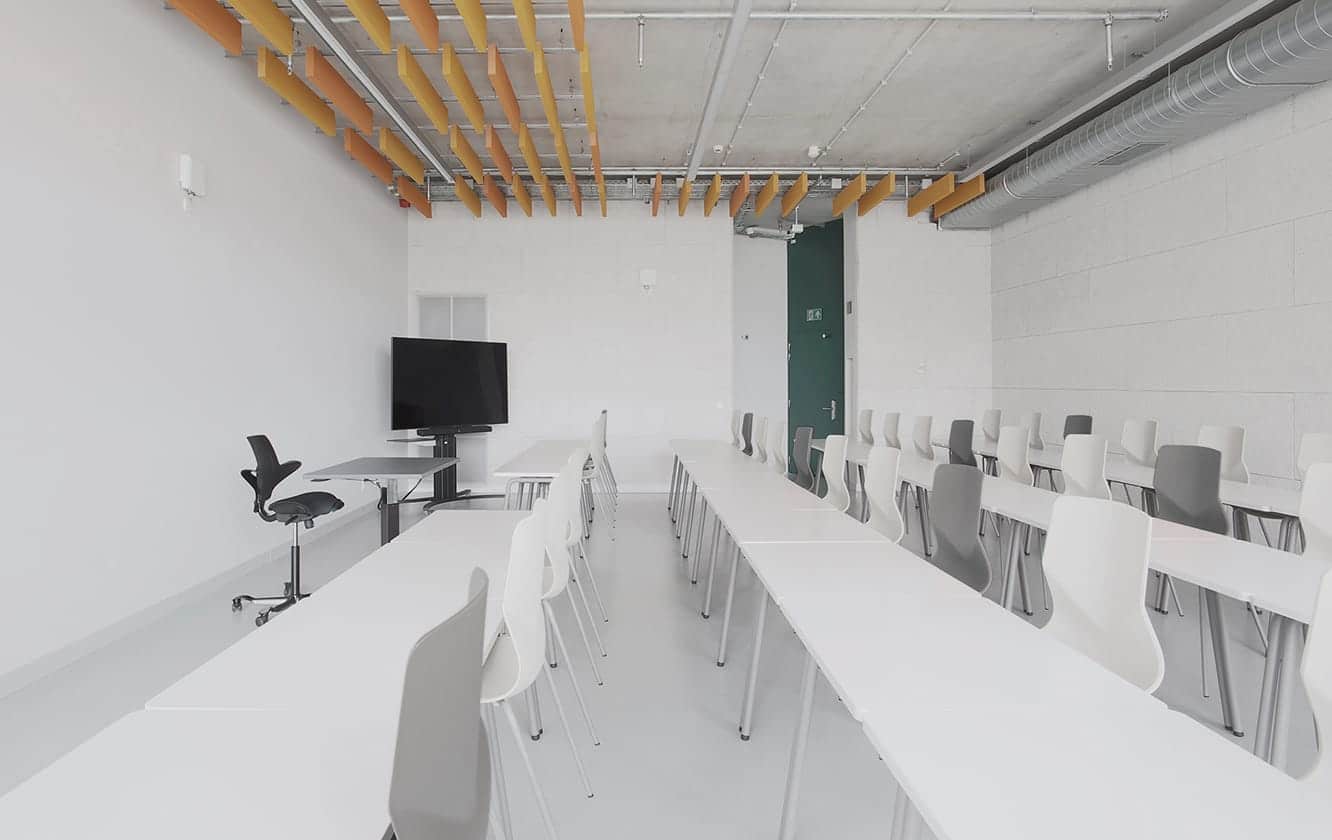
365 154
273 72
740 194
213 18
874 196
331 84
849 194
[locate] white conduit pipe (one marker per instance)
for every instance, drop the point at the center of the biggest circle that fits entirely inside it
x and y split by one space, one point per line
994 15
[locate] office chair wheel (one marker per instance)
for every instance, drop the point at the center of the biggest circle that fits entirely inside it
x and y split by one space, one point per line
236 604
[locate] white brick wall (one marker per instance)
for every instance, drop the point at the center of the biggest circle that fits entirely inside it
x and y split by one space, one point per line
1195 287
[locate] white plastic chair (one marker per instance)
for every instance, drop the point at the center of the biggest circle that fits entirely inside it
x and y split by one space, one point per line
578 546
1033 424
1139 441
1229 441
1096 567
761 440
920 437
1011 455
1316 667
561 522
833 469
777 447
880 488
990 421
1315 448
517 659
892 420
1083 466
865 426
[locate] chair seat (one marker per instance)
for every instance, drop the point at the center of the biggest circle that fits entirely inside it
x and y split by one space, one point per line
305 506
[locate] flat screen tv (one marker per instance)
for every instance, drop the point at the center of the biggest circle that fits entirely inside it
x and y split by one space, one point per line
440 383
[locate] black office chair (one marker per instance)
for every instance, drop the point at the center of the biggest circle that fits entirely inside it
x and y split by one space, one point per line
296 510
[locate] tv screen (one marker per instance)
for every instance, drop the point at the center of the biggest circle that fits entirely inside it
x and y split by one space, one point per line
439 382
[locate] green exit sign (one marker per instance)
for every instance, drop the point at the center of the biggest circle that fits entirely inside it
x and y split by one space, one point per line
814 314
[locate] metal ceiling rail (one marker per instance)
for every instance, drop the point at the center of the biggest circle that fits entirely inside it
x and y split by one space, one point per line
995 15
337 42
721 76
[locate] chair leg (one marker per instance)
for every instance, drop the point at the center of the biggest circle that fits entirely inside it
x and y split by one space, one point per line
592 579
582 631
531 771
535 728
568 733
564 651
587 608
497 768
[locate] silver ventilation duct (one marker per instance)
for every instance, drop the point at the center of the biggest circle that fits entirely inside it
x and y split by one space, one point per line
1258 67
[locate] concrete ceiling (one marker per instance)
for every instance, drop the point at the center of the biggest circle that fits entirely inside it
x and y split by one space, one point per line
965 86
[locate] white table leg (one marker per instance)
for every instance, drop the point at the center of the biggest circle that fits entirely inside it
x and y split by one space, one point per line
730 602
751 687
793 772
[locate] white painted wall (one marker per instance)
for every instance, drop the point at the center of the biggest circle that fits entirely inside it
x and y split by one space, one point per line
139 343
1195 287
759 318
921 333
583 335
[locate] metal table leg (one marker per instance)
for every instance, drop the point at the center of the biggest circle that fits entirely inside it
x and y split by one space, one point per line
795 769
390 516
730 601
1287 670
751 686
1230 716
675 471
1262 736
1015 542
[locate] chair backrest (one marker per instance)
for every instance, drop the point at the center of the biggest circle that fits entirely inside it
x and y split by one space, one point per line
1083 466
800 451
920 437
960 435
1139 441
865 426
990 424
881 489
1316 667
892 421
735 428
761 440
573 499
833 469
267 474
1096 565
1315 448
1187 487
555 527
1033 424
777 447
1229 441
955 511
747 433
525 644
1077 424
1011 455
440 785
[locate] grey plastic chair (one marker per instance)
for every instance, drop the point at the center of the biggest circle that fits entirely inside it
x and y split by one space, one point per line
441 765
1188 491
955 503
960 435
1077 424
1188 487
804 475
747 432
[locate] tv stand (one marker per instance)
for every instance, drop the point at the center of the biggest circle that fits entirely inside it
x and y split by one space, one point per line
445 445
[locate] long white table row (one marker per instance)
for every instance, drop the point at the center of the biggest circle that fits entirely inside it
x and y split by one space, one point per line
289 733
992 728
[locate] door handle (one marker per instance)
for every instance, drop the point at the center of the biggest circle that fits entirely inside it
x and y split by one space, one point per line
831 407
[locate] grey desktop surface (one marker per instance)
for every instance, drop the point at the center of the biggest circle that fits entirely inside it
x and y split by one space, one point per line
382 468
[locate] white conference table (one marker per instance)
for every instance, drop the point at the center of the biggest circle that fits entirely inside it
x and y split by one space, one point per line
534 468
346 647
995 729
167 775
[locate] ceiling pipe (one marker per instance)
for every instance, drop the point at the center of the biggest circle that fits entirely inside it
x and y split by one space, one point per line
337 43
1262 65
721 75
1164 56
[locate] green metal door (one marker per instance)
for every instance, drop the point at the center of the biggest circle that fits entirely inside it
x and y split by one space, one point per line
815 378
